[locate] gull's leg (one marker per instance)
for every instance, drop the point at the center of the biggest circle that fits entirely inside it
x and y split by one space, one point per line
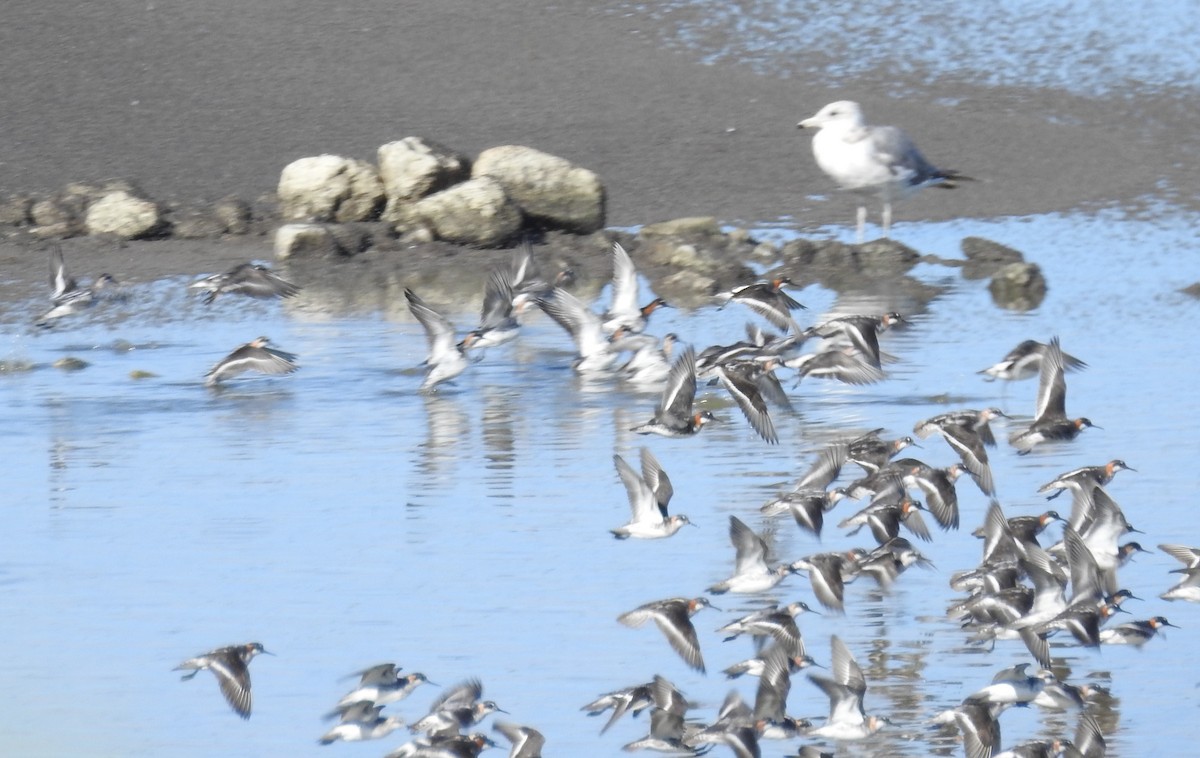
862 223
887 219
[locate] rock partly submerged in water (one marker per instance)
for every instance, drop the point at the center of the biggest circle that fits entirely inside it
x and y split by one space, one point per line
1018 287
985 257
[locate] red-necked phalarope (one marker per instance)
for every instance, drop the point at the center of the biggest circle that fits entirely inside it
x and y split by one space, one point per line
526 741
256 355
829 572
859 333
360 722
446 358
768 300
68 297
627 700
1025 361
1050 420
625 313
674 416
872 453
249 279
845 690
457 708
884 518
751 573
596 353
871 160
807 506
674 617
497 323
968 433
383 684
778 623
649 496
1136 633
231 666
444 746
937 484
669 733
744 381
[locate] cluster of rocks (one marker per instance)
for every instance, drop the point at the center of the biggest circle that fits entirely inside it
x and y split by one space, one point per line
422 191
418 192
436 204
117 208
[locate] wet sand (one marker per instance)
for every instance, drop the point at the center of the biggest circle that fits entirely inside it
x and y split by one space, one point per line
199 100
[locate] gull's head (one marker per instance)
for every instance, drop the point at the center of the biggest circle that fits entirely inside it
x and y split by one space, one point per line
841 113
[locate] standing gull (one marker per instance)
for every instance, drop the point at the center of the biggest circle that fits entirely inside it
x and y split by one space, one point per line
871 160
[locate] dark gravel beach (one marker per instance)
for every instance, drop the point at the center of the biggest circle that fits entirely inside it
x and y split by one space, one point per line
199 100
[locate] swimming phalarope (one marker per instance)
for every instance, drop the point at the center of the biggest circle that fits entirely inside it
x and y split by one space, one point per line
1050 420
871 160
625 312
446 359
674 416
256 355
1136 633
249 279
649 496
231 666
674 617
1025 361
751 573
1013 685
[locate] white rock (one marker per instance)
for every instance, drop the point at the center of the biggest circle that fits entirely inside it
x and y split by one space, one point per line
413 167
329 188
549 189
474 212
293 240
121 214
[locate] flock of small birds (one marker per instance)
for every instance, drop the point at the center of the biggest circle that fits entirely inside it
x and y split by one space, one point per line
1020 590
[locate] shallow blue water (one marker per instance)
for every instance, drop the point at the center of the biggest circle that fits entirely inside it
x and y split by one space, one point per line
1089 48
343 519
